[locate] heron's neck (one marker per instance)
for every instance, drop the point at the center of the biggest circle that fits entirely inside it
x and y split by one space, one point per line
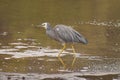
49 28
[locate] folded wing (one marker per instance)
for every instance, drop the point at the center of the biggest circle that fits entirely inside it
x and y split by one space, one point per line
68 34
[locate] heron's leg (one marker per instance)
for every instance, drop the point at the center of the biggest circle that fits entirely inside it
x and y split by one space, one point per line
74 55
64 46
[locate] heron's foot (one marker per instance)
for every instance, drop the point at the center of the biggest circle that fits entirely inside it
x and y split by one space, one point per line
74 54
64 46
64 65
73 61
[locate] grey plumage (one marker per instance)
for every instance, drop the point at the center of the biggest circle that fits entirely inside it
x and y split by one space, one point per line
64 34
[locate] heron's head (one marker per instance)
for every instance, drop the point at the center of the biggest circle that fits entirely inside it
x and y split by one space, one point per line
45 25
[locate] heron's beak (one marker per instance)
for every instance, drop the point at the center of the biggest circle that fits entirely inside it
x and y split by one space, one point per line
38 25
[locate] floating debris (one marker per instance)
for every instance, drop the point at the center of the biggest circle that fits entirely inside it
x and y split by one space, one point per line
4 33
101 23
18 43
7 58
31 53
21 47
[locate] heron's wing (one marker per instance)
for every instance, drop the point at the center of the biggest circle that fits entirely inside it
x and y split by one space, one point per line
68 34
63 33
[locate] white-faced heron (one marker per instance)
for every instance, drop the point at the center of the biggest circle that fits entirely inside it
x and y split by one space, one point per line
64 34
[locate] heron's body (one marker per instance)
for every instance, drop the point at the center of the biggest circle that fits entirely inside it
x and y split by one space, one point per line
64 34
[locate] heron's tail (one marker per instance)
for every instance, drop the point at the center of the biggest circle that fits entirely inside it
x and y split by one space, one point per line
85 41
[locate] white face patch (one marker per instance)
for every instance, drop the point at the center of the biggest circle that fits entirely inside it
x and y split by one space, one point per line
44 25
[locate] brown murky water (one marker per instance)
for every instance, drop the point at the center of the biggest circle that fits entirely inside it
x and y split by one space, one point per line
26 53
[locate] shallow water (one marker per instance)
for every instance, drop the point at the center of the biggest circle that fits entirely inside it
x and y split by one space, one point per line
26 53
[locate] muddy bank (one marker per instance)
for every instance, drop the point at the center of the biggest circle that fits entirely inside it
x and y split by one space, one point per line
62 76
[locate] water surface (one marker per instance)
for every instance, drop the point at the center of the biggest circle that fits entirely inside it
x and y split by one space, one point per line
27 53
